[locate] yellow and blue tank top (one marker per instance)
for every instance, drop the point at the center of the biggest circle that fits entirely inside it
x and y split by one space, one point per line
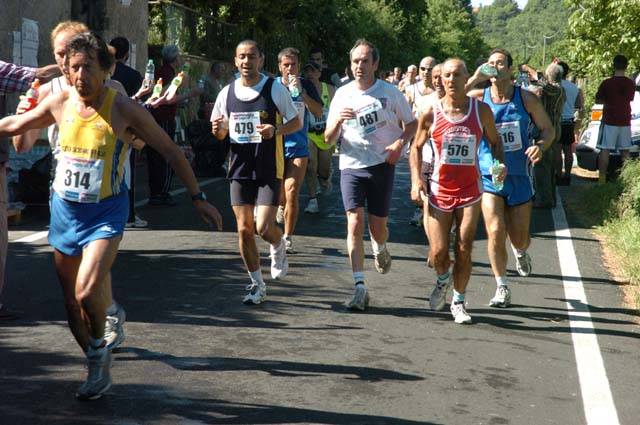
91 160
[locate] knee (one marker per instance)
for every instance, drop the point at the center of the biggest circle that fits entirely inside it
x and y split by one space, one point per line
245 233
495 232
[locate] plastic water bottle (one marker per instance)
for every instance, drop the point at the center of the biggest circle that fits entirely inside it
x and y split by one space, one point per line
157 89
201 82
175 85
32 95
186 67
293 89
149 73
488 70
496 169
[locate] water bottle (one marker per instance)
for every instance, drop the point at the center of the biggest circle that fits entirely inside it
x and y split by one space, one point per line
496 169
32 95
201 82
488 70
149 73
175 84
293 89
186 67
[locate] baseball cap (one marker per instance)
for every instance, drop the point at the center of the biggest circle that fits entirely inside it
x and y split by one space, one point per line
312 65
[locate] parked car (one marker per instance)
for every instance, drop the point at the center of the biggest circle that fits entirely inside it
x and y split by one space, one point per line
587 151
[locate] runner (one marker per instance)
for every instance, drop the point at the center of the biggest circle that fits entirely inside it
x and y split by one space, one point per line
455 124
251 111
366 113
296 145
89 206
320 153
507 210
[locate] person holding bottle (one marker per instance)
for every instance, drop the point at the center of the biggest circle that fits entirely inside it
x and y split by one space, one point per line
507 210
296 145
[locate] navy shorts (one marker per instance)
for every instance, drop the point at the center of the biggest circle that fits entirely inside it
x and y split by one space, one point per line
74 225
517 190
373 185
253 192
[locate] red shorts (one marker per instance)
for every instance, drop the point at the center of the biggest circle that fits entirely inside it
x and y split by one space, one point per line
452 203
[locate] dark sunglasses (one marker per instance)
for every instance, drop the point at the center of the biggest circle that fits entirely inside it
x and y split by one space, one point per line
422 68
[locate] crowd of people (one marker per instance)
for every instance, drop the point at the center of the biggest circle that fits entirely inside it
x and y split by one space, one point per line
472 138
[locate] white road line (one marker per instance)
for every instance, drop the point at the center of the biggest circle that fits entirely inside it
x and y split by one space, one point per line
599 407
42 235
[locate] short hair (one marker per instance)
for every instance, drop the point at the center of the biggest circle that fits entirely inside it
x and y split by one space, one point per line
289 51
248 42
410 67
121 45
169 53
554 73
464 65
363 42
68 26
315 50
620 63
92 44
504 52
565 69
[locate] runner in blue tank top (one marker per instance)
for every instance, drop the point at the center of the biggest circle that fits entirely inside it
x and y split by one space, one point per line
507 210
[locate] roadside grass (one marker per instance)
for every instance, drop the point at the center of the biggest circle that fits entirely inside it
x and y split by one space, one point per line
615 212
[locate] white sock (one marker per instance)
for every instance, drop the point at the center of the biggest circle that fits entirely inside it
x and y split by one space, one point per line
257 277
501 281
358 277
377 247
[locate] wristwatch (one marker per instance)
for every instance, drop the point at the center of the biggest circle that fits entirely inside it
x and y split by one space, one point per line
200 196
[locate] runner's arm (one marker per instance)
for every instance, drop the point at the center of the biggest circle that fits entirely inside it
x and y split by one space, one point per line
415 156
37 118
25 141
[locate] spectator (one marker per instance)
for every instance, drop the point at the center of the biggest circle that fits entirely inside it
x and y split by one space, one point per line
572 112
328 75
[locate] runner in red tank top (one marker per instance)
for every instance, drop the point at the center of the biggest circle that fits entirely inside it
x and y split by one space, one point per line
455 126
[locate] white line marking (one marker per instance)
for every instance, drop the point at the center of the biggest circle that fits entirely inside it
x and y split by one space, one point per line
599 407
33 237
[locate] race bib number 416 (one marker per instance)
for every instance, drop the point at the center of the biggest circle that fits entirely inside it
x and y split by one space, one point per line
243 127
510 135
79 179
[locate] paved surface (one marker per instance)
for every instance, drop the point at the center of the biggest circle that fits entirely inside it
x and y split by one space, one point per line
194 354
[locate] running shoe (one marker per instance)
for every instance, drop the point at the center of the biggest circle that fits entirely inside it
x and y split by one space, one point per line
502 298
98 379
360 298
312 206
279 262
257 294
280 215
137 223
438 296
383 261
114 327
288 243
459 313
523 263
416 220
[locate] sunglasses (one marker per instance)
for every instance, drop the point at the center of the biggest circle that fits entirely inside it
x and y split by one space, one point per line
422 68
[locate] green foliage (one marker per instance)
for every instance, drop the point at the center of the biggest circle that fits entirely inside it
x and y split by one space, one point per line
601 29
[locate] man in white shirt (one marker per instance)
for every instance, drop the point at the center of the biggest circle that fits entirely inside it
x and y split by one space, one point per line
366 113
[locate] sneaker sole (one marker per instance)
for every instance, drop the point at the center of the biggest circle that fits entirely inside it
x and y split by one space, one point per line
359 307
463 321
499 305
252 302
83 397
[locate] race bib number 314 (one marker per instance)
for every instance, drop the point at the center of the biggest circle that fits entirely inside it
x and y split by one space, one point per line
79 179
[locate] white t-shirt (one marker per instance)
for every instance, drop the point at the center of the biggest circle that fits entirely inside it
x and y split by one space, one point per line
379 110
279 94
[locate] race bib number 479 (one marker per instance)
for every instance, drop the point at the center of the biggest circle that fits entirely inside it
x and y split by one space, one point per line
243 127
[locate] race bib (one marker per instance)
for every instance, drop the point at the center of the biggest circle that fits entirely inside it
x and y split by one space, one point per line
318 125
459 149
299 104
510 135
79 179
369 119
243 127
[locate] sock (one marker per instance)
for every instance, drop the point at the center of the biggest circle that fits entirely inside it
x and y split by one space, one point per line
279 245
501 281
458 297
520 252
257 277
377 248
443 277
358 277
285 236
96 344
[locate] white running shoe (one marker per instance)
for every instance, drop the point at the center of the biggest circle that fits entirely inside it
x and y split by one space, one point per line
279 262
138 223
98 378
280 215
312 206
257 294
459 313
383 261
288 243
360 298
502 299
416 220
114 327
523 263
438 297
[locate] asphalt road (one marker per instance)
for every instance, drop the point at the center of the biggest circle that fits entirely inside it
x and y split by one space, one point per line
194 354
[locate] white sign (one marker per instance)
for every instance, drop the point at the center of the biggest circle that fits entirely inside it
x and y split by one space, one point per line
29 42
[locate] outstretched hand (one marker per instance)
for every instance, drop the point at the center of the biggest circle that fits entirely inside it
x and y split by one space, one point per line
209 214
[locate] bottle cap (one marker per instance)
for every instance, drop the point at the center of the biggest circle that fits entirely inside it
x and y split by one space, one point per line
35 84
